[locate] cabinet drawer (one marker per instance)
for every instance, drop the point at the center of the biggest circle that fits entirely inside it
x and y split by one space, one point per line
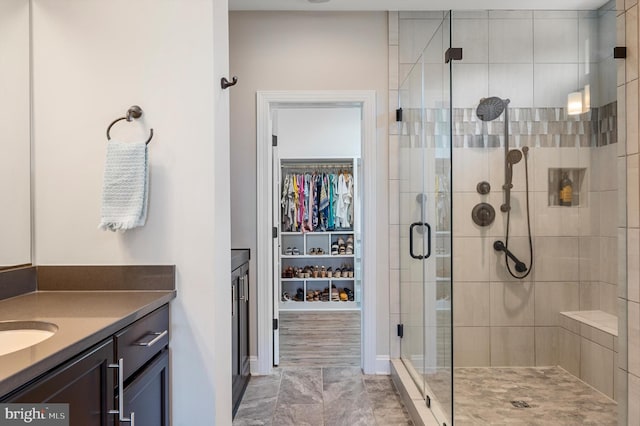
139 342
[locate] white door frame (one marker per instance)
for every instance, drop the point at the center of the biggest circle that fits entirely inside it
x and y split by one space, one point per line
266 101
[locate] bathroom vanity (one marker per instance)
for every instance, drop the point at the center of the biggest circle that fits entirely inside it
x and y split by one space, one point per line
108 359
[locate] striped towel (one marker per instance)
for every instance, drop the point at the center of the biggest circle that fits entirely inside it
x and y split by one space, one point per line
125 186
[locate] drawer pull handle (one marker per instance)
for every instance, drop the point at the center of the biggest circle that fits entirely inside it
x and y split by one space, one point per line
159 336
120 410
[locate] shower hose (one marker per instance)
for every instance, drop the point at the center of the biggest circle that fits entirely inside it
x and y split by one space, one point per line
506 238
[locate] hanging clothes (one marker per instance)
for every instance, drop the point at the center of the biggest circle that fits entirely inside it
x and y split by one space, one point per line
316 201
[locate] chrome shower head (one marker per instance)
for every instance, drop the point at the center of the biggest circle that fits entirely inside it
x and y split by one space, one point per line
490 108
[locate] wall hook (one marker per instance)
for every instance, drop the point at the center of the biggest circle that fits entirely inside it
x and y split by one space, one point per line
224 83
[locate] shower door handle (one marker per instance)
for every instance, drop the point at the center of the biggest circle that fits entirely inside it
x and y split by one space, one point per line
420 256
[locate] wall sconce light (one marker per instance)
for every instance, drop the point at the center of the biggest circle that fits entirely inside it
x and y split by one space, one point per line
574 103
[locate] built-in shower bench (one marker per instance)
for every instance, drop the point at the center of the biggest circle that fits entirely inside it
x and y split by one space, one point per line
588 347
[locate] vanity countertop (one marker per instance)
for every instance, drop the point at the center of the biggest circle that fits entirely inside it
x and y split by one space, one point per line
84 318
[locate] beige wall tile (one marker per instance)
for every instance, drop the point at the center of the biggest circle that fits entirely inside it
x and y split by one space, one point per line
393 67
596 336
394 157
554 297
471 166
621 395
629 3
547 346
631 40
633 337
609 298
633 191
622 262
633 269
589 258
512 304
608 260
622 334
596 366
394 202
471 302
569 323
569 351
631 107
512 346
634 397
471 347
589 296
622 122
393 28
557 258
471 259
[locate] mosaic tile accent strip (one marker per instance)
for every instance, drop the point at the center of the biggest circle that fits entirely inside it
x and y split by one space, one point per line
533 127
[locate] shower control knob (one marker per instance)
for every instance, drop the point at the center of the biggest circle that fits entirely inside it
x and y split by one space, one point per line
483 187
483 214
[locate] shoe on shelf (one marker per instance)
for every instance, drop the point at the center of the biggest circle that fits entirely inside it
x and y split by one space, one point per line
320 251
286 297
312 252
323 272
349 249
342 250
337 273
329 272
334 248
343 296
340 241
295 251
288 251
316 271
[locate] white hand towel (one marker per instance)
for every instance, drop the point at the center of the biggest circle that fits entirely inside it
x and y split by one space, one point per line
125 186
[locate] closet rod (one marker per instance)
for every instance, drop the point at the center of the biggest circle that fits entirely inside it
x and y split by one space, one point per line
308 166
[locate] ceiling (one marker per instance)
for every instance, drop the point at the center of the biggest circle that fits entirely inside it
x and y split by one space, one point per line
343 5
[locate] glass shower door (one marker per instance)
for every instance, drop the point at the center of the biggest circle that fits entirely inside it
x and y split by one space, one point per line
425 225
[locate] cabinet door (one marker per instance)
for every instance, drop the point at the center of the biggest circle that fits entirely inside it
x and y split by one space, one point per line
85 383
243 324
235 342
148 394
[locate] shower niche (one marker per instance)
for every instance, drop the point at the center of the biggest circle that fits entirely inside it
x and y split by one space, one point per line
559 179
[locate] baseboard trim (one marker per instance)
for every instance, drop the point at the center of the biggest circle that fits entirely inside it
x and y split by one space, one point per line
254 366
383 365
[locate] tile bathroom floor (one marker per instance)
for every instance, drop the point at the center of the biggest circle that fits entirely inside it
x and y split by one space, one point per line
321 396
554 396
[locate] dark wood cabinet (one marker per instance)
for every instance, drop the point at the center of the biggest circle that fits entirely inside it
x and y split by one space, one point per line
89 382
86 383
240 331
148 393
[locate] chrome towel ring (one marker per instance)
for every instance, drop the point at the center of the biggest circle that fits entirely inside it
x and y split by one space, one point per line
133 112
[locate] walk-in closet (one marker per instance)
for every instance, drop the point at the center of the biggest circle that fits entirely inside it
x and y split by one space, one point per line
317 210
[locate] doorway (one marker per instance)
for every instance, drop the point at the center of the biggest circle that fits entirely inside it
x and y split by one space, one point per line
273 245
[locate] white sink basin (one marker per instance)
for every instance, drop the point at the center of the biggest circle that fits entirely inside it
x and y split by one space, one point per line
16 335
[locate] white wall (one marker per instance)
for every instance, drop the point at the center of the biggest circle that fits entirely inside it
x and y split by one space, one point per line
15 144
305 51
319 132
93 59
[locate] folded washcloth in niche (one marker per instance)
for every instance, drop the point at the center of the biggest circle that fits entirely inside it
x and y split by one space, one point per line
125 186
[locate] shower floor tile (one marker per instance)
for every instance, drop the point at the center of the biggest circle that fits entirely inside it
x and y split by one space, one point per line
554 397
